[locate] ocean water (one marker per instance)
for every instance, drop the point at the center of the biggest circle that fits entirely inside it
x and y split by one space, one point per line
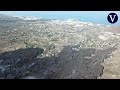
99 17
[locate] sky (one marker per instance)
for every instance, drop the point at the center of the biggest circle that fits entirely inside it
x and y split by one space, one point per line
85 16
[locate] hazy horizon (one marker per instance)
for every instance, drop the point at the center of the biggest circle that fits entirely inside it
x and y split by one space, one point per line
99 17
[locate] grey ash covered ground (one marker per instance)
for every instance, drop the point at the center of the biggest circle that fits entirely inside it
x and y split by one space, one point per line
53 49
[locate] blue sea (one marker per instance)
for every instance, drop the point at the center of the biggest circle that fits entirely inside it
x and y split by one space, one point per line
99 17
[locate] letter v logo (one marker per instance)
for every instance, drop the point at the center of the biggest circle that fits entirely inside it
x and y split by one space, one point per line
112 18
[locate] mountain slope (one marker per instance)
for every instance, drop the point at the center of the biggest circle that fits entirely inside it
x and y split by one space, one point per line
70 48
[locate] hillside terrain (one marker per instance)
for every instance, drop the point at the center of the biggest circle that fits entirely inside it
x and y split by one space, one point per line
32 48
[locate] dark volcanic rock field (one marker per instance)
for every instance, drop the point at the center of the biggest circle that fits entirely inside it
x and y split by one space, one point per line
82 64
54 49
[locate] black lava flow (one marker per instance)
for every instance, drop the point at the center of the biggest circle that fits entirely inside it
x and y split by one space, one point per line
69 64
